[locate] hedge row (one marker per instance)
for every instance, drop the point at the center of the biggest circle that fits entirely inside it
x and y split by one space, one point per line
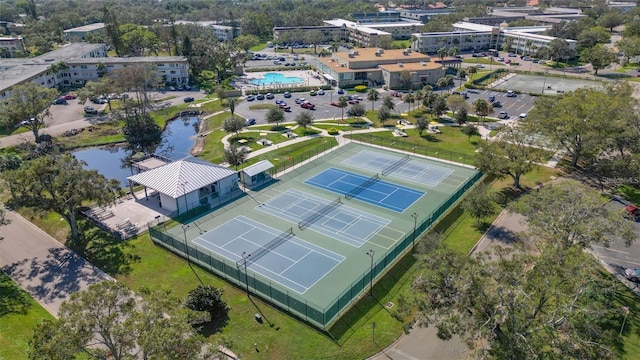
281 90
280 68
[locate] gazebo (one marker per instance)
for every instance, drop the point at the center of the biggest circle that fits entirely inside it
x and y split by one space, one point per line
187 183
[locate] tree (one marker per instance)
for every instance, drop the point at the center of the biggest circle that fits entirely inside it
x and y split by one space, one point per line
384 114
472 70
482 108
109 315
559 49
439 105
520 306
512 154
480 202
387 101
356 110
60 183
569 213
304 119
405 79
575 121
590 37
442 53
442 83
373 96
235 155
140 79
599 56
630 47
631 29
245 42
409 99
469 130
137 40
233 124
28 104
56 69
456 103
611 20
112 28
209 299
275 115
422 124
461 116
462 74
141 129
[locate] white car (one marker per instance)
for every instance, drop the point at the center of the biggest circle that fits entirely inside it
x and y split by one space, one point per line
510 93
523 116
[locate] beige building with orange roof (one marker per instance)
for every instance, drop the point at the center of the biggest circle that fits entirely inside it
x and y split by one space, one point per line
377 67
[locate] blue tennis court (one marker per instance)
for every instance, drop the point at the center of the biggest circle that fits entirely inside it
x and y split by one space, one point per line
371 190
334 219
398 166
279 256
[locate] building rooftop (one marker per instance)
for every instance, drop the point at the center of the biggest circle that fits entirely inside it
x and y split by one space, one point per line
127 60
410 66
86 28
369 54
74 50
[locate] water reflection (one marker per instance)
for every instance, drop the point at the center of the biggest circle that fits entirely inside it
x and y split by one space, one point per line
113 161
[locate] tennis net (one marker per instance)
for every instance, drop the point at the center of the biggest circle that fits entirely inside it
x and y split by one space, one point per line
358 189
318 214
395 165
263 250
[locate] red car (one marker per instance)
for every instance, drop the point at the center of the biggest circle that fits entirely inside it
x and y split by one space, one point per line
307 105
284 107
335 103
633 212
70 96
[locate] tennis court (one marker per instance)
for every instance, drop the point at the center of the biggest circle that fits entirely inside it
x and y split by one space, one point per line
400 167
315 238
372 190
333 219
276 255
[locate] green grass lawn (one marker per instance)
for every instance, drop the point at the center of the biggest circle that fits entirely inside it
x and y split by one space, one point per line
19 314
483 61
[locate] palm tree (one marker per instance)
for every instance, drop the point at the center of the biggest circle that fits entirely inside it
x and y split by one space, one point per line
482 108
527 46
334 46
342 103
418 95
409 99
101 68
232 105
472 70
442 53
442 83
56 69
373 96
462 74
454 51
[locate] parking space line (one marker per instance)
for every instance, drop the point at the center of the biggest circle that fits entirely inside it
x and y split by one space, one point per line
609 249
620 260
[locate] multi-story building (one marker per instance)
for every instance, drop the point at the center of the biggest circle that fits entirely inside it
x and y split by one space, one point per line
474 37
314 34
10 45
375 67
221 31
83 62
80 33
365 34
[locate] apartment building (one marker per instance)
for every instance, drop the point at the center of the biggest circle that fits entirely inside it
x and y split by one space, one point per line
221 31
375 67
318 34
82 32
9 46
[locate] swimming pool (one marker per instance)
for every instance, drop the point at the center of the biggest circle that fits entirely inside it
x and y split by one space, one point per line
276 78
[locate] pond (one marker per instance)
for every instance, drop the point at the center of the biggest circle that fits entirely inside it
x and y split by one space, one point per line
177 141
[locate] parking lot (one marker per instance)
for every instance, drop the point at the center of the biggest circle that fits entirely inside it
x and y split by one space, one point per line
512 105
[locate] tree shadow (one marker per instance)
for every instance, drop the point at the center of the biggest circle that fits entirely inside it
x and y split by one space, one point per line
13 299
213 326
617 76
503 235
430 138
106 251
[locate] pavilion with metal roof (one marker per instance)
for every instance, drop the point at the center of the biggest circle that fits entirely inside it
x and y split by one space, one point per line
187 183
256 174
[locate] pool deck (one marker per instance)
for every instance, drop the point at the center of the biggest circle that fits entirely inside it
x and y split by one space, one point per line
310 79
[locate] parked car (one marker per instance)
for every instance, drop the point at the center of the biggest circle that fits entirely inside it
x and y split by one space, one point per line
510 93
503 115
511 55
492 98
353 101
250 122
99 100
172 88
307 105
340 91
335 103
313 93
90 110
321 92
259 97
287 94
70 96
250 98
632 212
480 66
632 274
187 87
280 101
284 107
59 101
188 99
179 88
496 104
299 100
269 96
522 115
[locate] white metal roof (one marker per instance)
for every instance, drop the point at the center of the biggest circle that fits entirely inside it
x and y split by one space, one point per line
182 177
257 168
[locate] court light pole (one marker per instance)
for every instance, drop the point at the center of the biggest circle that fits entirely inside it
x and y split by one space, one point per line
186 247
415 223
371 253
245 257
184 193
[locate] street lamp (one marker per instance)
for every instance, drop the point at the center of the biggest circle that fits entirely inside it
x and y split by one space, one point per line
184 230
544 84
245 258
184 193
415 223
371 253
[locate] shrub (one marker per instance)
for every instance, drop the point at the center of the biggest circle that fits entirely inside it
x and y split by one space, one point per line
333 131
360 88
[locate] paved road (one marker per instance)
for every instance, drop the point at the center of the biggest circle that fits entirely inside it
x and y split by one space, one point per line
41 265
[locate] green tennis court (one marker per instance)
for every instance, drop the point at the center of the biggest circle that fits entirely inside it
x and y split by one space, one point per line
307 248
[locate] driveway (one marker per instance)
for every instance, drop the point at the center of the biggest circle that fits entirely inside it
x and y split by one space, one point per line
41 265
